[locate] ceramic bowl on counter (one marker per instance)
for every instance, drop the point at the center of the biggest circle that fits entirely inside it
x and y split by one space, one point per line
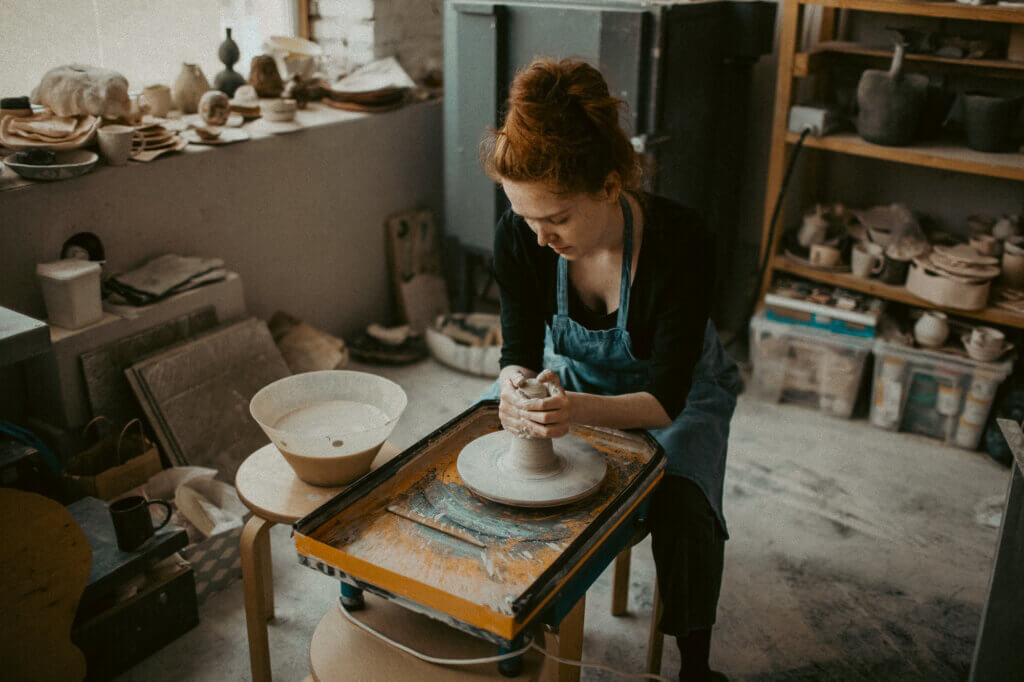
67 164
278 110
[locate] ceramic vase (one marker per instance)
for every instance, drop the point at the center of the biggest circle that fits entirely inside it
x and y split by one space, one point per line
890 103
189 87
228 80
264 76
932 329
989 121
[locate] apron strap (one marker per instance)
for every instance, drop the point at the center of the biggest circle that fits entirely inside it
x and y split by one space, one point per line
562 279
627 261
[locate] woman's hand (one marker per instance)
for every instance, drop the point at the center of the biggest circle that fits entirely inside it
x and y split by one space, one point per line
535 417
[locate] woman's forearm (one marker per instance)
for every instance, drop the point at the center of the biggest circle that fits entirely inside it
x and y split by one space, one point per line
627 411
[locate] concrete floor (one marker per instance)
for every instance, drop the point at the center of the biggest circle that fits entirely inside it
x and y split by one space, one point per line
856 554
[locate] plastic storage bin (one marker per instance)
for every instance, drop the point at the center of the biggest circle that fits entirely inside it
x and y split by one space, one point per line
71 291
932 393
807 366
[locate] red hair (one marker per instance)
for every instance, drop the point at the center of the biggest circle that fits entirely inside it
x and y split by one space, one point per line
562 129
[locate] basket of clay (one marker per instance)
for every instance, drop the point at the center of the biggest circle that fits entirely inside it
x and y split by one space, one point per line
470 343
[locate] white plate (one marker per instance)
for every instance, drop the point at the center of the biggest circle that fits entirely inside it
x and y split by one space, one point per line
227 136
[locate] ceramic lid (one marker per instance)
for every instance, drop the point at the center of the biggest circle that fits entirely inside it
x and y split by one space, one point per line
69 268
965 254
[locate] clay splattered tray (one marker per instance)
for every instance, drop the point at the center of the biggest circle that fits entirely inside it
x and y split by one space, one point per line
492 570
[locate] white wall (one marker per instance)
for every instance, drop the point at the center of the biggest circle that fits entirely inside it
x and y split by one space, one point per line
354 32
145 40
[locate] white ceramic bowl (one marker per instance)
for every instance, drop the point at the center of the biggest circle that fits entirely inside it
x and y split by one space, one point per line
69 164
482 361
329 448
278 110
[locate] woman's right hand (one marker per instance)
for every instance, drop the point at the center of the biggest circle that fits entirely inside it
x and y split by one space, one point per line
512 401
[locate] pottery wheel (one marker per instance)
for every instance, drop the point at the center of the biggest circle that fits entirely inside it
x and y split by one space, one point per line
488 466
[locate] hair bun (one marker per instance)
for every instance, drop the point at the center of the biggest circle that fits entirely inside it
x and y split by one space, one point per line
561 127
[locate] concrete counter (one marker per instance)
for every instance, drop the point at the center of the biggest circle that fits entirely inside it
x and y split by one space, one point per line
299 216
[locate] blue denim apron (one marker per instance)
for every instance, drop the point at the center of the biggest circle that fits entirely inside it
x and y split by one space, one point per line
602 362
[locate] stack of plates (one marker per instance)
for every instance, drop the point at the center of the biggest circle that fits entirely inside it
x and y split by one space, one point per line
963 261
154 140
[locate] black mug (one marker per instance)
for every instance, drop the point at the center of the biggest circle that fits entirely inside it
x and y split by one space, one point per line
132 523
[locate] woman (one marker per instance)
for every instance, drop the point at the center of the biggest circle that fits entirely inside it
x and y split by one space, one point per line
609 289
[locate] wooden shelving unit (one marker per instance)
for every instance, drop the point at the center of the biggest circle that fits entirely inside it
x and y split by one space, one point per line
794 63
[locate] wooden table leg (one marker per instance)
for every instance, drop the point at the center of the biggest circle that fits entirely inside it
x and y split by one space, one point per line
268 577
570 642
620 583
255 551
655 638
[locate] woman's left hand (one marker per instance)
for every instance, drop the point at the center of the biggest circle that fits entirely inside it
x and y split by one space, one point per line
546 417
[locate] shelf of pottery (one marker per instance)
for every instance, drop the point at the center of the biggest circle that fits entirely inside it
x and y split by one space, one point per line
919 297
916 102
50 134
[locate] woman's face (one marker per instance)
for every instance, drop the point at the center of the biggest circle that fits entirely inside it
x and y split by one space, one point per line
573 225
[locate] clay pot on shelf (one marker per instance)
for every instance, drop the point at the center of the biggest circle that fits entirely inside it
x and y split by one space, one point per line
989 121
264 76
889 103
932 329
189 87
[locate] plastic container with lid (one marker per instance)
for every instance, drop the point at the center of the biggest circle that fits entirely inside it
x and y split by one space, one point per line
934 393
807 366
71 291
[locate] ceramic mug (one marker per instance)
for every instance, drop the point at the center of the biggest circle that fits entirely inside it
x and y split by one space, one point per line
158 98
987 339
867 260
115 142
895 270
825 256
132 523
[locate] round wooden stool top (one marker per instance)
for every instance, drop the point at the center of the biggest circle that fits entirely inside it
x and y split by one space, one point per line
269 487
342 651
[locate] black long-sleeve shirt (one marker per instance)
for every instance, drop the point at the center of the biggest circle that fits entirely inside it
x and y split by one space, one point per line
669 306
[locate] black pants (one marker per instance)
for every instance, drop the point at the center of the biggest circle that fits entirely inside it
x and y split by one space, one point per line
689 555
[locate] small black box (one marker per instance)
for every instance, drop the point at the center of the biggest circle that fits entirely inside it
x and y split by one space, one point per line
119 637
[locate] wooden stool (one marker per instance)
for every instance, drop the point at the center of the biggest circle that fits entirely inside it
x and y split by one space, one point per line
341 651
268 486
620 599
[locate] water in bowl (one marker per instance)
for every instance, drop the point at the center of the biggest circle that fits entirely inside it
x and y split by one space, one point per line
332 417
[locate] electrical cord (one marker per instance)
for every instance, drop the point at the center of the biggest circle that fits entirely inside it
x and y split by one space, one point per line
775 217
487 659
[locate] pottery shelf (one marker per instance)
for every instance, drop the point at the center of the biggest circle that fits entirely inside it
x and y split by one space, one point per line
891 292
950 157
815 59
797 61
929 8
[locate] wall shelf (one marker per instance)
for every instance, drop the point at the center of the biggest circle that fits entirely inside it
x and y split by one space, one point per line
891 292
796 62
940 9
941 156
813 60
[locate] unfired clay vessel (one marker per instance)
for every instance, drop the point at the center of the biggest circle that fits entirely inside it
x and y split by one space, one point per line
189 87
531 472
264 76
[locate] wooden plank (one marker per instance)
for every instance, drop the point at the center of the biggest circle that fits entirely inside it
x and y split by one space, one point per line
302 7
941 156
997 653
891 292
655 638
928 8
791 18
812 61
